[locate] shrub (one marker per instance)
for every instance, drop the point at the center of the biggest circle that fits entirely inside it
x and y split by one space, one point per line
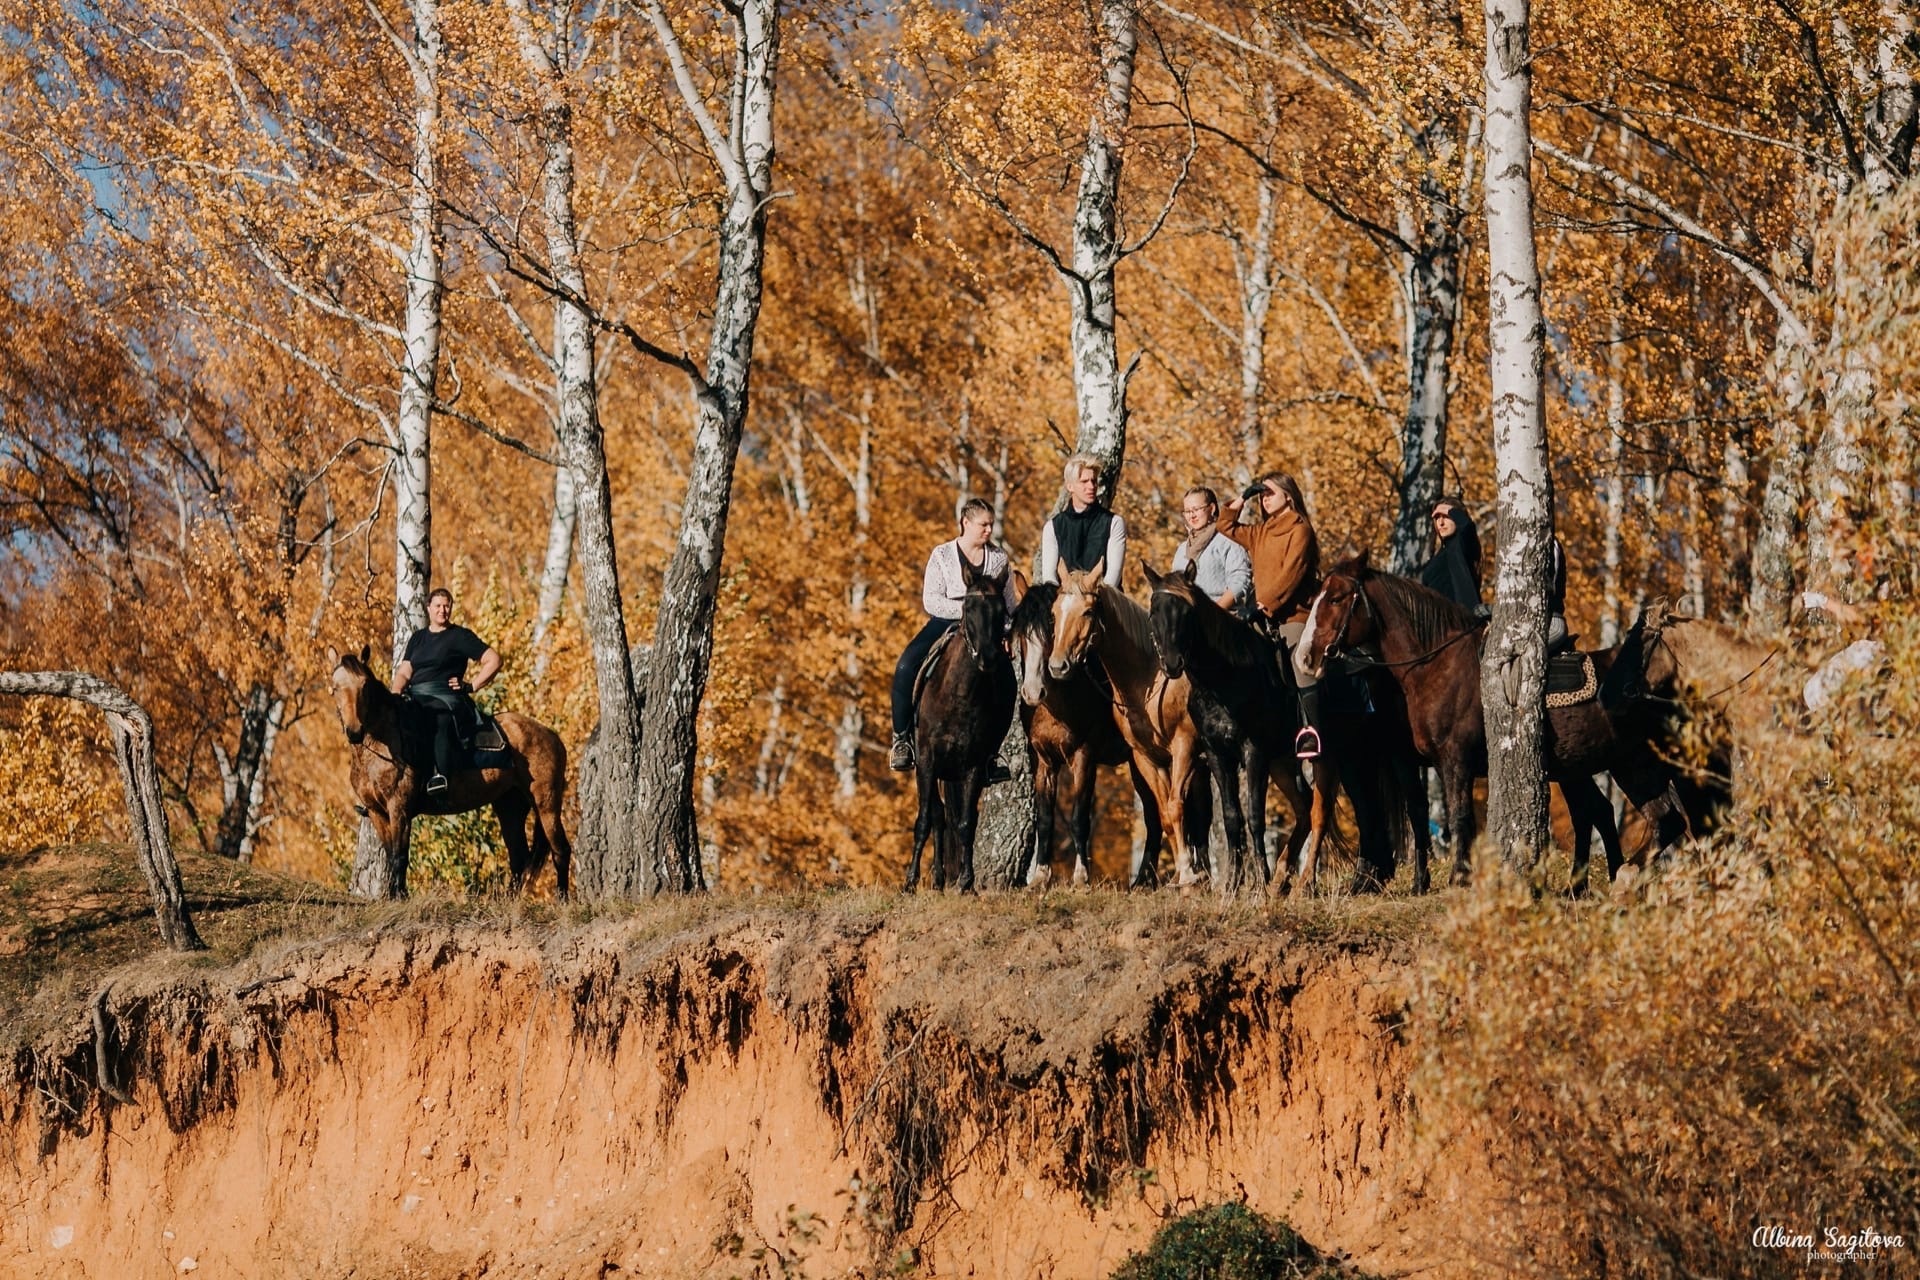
1230 1242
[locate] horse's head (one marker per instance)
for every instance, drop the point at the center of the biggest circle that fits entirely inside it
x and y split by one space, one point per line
1033 640
1341 617
1175 598
351 678
1644 663
983 613
1076 621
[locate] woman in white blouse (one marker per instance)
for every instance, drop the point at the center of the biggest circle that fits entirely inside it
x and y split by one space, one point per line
940 595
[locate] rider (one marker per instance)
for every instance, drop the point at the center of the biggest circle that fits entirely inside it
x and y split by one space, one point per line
1454 569
433 672
940 594
1286 576
1225 572
1085 531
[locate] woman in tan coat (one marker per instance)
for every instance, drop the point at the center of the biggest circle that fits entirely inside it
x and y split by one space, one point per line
1286 577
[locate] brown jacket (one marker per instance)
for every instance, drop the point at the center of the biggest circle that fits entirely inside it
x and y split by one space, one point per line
1286 562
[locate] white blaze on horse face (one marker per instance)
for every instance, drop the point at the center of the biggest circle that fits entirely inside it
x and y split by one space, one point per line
1311 659
1033 668
346 695
1072 614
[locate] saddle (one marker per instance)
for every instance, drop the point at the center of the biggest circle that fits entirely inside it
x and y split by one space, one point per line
926 668
482 741
1571 679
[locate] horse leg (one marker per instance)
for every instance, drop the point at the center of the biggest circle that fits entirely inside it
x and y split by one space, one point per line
1413 795
1254 767
926 822
399 843
963 811
1046 783
1580 813
1227 766
512 808
550 828
1457 779
1173 810
1080 812
1146 871
1294 869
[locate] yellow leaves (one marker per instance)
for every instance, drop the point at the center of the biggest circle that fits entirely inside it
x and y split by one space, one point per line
58 782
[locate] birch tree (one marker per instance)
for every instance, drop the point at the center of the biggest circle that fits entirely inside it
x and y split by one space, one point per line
1513 662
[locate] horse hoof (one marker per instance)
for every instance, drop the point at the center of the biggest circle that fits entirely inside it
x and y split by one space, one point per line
1422 883
1080 877
1040 877
1460 878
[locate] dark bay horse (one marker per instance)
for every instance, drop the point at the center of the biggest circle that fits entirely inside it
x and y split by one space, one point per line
962 710
380 725
1430 648
1070 730
1248 717
1095 624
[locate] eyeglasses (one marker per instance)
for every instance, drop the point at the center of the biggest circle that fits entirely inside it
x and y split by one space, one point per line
1194 511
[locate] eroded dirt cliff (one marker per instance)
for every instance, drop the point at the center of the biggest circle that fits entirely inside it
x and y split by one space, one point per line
998 1088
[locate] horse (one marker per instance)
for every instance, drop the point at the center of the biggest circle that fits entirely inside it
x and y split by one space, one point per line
963 705
381 725
1247 715
1092 624
1070 730
1430 648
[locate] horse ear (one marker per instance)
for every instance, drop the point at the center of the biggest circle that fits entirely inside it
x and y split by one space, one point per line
333 657
1097 574
1019 584
366 656
1153 579
1193 572
1364 561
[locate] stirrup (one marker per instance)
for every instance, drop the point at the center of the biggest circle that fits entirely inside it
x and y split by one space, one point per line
436 784
1306 743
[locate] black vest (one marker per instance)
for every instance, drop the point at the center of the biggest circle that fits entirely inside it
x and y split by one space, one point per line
1081 536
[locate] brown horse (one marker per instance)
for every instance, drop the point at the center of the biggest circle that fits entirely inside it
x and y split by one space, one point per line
1095 625
1070 730
1430 647
381 724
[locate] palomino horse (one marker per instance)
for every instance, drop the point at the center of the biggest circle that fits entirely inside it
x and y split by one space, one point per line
1092 624
1071 729
1430 647
1247 716
381 725
962 710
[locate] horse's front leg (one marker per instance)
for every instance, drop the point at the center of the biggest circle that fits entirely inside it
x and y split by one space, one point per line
1291 871
925 822
1146 867
1412 785
1177 777
1080 813
1046 783
1251 871
963 812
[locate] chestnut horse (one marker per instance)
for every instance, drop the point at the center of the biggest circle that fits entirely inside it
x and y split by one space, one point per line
1071 729
1430 647
380 724
1094 624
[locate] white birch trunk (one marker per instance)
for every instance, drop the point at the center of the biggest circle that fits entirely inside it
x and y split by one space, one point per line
1432 286
243 775
419 378
608 795
557 564
683 635
1513 668
1770 591
853 719
1735 481
1099 383
1256 303
1612 605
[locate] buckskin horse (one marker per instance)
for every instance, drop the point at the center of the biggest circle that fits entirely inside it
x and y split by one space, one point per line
1093 624
963 705
389 735
1430 648
1071 729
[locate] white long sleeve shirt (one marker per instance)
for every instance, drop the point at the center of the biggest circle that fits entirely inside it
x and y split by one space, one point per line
945 586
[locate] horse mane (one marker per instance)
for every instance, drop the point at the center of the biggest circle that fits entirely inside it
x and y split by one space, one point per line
1230 638
1431 617
1135 622
1034 613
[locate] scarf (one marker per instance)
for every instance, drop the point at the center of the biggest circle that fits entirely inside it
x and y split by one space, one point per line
1198 539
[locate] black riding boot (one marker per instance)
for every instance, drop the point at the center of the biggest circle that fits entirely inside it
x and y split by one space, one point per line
1306 744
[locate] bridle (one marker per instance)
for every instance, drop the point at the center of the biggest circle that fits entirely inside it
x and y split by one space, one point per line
1333 649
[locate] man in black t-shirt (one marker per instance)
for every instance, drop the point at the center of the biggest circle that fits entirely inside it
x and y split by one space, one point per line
433 671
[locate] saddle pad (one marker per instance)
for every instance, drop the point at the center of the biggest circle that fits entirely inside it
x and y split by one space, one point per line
933 656
488 738
1571 679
